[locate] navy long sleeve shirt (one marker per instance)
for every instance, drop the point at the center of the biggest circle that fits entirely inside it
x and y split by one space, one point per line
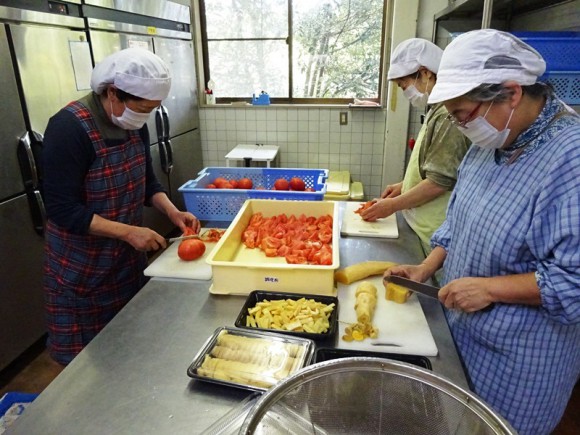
67 155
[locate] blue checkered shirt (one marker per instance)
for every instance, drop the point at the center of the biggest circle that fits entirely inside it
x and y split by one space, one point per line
517 218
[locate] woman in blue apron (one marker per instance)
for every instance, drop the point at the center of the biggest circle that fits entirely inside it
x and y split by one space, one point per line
97 179
510 242
431 173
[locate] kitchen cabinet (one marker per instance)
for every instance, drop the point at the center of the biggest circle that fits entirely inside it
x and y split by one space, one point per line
132 378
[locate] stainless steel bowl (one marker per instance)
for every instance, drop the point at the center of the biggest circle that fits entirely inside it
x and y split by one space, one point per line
362 395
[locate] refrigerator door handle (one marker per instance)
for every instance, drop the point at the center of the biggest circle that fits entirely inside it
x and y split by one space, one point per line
165 123
159 124
29 149
166 156
169 156
38 212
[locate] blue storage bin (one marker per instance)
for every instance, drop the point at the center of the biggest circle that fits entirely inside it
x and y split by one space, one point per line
224 204
561 51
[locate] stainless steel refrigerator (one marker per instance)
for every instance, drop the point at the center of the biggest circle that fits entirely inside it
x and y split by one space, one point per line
164 28
44 63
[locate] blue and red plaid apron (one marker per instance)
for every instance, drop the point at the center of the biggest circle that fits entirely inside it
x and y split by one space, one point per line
88 279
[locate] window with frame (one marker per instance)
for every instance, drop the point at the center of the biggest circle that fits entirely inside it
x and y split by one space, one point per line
297 51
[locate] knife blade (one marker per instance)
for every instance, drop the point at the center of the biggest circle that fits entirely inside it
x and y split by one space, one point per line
180 238
419 287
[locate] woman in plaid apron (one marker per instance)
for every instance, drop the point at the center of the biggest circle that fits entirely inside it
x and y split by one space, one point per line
97 179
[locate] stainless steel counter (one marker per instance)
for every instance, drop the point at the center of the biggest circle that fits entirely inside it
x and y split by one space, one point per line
131 379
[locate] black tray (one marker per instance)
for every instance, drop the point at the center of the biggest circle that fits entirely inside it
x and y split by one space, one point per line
259 295
326 354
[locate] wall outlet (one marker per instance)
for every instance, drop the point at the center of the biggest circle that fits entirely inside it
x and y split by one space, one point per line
343 118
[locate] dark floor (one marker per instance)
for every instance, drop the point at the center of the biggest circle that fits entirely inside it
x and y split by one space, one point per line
34 370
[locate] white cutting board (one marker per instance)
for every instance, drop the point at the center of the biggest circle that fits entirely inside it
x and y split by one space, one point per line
169 265
401 324
353 225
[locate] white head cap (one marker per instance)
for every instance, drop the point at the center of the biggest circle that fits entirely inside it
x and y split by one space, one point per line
412 54
135 71
485 56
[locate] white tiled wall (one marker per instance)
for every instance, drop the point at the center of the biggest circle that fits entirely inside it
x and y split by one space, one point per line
308 138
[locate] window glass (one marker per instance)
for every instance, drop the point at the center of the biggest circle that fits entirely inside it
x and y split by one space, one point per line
246 19
337 48
293 49
241 68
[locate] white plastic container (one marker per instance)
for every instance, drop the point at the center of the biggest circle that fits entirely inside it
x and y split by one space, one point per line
239 270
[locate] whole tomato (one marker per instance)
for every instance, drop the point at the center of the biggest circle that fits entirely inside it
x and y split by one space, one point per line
245 183
296 183
219 182
190 249
281 184
211 186
234 184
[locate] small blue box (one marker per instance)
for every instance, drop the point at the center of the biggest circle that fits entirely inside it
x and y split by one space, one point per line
261 100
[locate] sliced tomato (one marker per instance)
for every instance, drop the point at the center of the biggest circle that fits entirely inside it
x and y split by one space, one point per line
295 259
283 251
249 238
364 206
270 243
325 258
256 219
302 239
189 231
325 235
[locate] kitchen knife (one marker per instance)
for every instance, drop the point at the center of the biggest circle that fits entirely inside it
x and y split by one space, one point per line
424 289
180 238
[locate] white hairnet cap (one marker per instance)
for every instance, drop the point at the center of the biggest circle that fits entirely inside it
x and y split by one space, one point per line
485 56
412 54
136 71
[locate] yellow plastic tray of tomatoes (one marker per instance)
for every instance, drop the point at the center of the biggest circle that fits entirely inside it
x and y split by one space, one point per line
239 269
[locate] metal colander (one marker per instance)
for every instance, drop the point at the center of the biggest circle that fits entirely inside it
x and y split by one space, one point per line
370 396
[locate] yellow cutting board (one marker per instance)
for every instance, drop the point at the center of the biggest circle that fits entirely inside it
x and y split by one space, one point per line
353 225
169 265
403 325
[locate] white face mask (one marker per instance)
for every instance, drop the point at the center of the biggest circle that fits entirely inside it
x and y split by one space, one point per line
485 135
129 120
416 98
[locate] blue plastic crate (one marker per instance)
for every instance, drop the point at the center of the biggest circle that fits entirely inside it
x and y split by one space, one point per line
561 51
224 204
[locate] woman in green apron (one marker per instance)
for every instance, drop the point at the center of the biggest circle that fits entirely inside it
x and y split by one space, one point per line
423 194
